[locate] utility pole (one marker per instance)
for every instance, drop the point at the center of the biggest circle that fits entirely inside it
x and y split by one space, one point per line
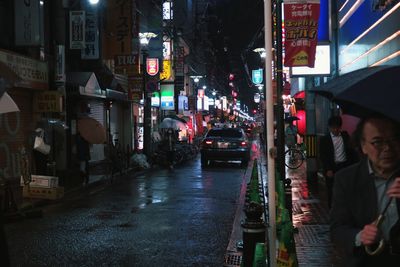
280 127
147 109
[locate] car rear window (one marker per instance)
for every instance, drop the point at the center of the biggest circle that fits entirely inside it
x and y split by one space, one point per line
225 133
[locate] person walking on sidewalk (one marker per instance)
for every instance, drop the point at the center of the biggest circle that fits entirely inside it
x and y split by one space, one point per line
362 191
336 152
83 150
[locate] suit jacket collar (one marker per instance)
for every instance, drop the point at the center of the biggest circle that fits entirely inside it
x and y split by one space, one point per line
365 182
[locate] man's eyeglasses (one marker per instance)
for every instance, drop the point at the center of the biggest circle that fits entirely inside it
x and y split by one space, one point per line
381 143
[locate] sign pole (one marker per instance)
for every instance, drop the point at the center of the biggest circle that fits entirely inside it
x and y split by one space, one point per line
269 122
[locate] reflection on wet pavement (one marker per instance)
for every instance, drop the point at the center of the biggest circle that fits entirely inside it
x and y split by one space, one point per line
311 219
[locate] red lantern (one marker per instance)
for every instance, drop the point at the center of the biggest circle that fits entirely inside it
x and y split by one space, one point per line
301 123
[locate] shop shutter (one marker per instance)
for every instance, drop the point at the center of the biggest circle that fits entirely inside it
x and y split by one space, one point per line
97 113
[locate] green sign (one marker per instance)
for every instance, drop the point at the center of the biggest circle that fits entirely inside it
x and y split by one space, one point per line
257 76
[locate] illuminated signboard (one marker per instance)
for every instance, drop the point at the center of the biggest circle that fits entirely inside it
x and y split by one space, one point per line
155 99
166 73
322 63
167 97
152 66
257 76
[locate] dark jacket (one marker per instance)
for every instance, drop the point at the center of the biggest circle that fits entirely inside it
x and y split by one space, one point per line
327 152
354 206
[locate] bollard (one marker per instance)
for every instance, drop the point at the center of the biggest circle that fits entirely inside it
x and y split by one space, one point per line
253 232
288 197
260 259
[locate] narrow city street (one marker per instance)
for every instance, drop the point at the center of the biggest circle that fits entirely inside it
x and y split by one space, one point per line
179 217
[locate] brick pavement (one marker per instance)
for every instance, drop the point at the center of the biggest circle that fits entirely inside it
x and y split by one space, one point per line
311 219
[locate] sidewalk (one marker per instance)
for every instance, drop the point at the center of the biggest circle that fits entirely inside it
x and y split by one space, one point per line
32 207
310 218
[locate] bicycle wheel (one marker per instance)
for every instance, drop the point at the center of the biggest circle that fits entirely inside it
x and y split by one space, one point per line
293 158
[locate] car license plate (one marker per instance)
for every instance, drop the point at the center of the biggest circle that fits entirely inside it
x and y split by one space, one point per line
223 145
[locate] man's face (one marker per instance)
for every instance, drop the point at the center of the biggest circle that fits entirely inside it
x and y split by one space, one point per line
382 145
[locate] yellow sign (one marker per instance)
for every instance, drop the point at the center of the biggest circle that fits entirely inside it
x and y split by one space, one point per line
48 101
166 73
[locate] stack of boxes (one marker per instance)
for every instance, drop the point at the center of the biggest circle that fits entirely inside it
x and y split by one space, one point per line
44 187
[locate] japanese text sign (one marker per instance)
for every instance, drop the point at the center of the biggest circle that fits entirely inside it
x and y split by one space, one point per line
301 28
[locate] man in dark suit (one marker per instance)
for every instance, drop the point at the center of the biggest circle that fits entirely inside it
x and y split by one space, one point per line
362 191
336 152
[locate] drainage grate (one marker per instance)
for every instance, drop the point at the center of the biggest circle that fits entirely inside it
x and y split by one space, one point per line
232 259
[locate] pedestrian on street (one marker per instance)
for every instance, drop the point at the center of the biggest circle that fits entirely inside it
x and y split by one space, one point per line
336 152
291 135
362 191
83 149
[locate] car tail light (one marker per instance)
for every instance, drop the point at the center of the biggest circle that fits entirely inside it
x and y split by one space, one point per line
243 143
207 143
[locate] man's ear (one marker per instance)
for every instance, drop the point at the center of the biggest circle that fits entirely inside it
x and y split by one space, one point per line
363 147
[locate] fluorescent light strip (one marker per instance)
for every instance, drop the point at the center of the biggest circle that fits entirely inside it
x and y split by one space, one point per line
351 11
383 60
390 38
340 10
371 27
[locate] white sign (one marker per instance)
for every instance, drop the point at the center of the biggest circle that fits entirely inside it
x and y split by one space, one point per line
322 64
33 73
140 137
91 50
77 29
167 10
60 64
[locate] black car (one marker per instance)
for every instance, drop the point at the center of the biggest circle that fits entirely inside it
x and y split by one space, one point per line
225 144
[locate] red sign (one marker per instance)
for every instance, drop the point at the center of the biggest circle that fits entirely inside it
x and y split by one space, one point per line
152 66
301 28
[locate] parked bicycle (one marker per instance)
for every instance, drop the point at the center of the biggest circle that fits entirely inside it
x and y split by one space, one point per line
294 157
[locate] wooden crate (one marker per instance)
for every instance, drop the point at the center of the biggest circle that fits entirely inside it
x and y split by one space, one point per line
42 181
43 192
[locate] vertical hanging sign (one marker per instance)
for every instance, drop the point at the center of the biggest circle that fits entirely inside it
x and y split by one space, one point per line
77 29
301 32
257 76
60 64
91 50
152 66
27 23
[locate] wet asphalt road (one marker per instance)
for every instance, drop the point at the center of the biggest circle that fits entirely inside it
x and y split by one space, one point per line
181 217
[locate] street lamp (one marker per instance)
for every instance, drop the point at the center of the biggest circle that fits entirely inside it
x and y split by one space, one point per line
260 51
93 2
144 41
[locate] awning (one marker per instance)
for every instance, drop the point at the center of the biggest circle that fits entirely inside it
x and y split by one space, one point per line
116 95
87 83
7 104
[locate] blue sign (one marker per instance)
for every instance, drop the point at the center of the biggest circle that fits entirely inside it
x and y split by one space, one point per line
257 76
323 22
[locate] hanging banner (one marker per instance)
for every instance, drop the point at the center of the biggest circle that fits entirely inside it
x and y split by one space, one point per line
91 50
120 29
77 29
28 23
301 32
